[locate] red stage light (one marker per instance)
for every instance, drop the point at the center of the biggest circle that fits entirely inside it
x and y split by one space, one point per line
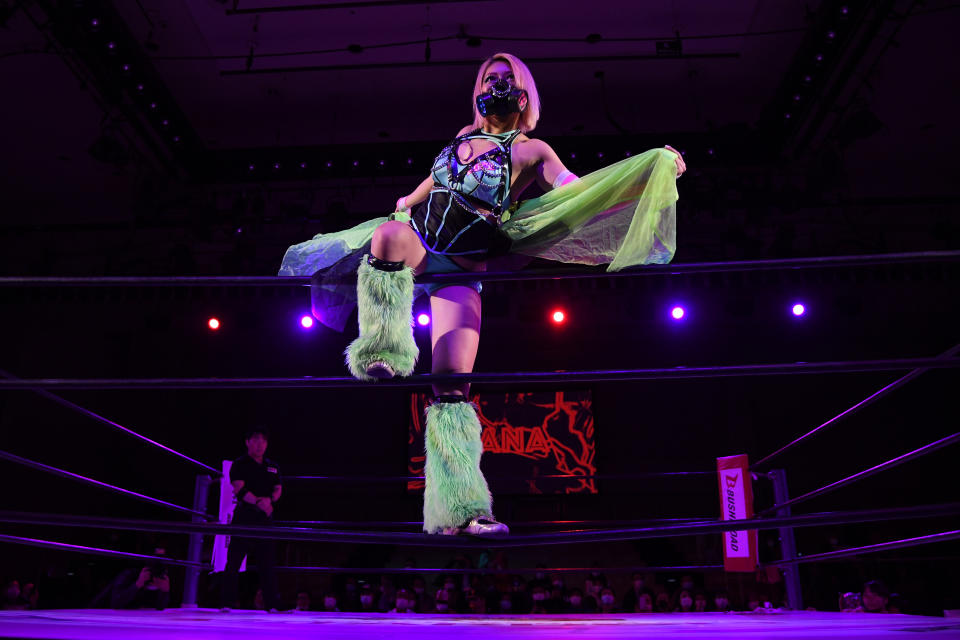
213 323
558 316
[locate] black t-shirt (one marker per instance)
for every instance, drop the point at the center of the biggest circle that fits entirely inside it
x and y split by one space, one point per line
259 479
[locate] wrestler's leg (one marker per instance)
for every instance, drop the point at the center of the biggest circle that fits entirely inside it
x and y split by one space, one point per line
456 497
386 346
395 241
454 334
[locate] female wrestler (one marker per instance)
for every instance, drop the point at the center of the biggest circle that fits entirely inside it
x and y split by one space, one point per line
451 222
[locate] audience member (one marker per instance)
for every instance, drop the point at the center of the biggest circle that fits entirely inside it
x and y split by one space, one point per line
539 596
580 604
442 601
875 598
330 602
644 603
684 603
404 602
608 602
367 599
13 597
661 603
630 597
146 587
303 601
721 602
700 602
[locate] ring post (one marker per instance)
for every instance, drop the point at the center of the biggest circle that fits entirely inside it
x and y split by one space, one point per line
788 544
201 488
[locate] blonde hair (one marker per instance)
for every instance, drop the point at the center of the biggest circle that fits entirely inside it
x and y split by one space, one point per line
522 78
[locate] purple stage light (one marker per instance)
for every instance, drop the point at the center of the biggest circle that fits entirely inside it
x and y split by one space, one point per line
423 319
798 309
306 322
677 313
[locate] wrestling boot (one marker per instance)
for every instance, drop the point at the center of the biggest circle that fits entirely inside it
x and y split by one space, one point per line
385 347
456 499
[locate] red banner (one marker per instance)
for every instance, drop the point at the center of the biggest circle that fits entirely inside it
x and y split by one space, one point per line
736 503
542 442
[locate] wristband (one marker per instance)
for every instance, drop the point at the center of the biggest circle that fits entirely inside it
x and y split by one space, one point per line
563 178
402 204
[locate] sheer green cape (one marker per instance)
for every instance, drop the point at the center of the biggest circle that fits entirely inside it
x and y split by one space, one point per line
623 215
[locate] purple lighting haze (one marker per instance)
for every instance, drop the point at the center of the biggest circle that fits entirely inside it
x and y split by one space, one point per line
423 319
798 309
677 313
306 322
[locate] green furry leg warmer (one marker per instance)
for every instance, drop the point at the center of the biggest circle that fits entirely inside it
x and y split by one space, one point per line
455 489
385 312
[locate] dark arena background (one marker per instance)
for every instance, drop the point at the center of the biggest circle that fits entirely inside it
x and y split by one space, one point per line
159 156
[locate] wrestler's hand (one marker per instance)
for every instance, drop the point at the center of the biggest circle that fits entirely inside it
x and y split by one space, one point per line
681 165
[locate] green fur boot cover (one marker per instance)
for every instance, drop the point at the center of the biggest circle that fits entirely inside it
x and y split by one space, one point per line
385 313
455 490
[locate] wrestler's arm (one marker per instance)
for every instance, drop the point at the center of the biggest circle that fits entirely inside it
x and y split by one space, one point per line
550 170
423 190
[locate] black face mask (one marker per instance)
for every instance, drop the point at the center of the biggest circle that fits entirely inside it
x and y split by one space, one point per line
501 100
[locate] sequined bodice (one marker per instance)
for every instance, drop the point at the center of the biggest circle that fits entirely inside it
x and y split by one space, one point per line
485 177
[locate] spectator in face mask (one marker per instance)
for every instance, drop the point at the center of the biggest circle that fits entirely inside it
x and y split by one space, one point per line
661 604
348 595
424 600
405 602
630 597
686 582
539 596
442 600
721 602
592 587
579 604
684 602
700 601
367 599
330 602
540 577
644 602
505 604
608 602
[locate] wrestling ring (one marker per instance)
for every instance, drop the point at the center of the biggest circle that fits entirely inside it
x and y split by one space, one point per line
196 521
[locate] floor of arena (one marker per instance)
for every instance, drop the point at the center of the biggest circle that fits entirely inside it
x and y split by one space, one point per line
209 624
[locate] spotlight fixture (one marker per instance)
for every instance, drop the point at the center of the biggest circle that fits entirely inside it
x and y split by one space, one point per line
558 316
798 309
306 322
423 319
213 323
678 313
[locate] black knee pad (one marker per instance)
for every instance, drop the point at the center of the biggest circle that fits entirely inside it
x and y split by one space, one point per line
451 398
384 265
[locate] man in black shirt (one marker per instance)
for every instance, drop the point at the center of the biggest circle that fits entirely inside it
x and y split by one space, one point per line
256 485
